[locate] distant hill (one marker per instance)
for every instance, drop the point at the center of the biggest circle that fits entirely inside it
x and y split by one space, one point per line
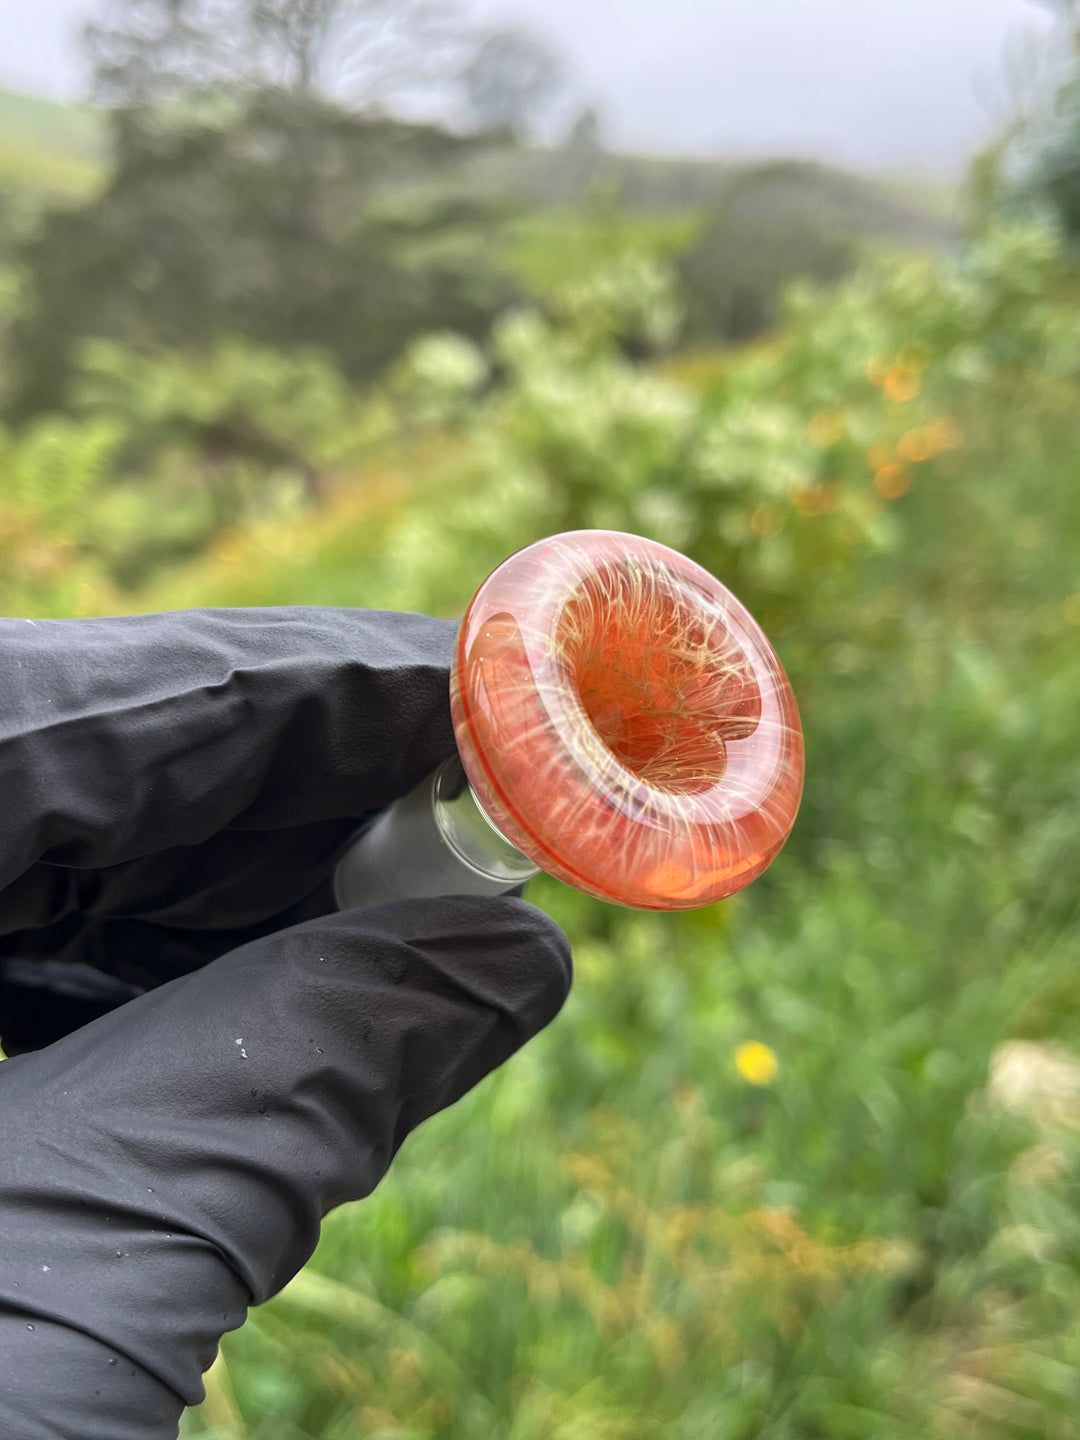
54 146
567 175
71 132
49 147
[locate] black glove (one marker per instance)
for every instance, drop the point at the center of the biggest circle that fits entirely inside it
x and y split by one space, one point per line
175 790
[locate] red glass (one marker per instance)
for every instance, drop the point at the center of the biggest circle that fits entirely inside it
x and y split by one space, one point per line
624 721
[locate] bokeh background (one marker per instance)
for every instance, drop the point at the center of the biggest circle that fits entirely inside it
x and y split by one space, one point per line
337 302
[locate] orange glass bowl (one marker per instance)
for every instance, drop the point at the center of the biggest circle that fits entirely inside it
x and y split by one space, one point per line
624 721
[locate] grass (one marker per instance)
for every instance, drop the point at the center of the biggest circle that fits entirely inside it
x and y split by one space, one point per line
546 248
49 148
69 130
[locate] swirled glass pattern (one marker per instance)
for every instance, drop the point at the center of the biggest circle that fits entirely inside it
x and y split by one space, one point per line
624 721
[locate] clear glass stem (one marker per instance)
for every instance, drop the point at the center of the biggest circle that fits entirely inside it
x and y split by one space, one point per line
435 841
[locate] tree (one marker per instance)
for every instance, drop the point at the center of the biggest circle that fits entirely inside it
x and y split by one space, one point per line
1055 174
511 82
1035 157
774 223
586 133
270 227
146 52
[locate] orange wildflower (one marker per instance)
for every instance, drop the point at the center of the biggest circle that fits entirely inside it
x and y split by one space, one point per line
892 481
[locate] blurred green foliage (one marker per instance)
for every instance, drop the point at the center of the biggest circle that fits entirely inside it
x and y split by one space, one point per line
48 148
1034 165
771 224
1056 171
159 455
622 1235
279 216
261 218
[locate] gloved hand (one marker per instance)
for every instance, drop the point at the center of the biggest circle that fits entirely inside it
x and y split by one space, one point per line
176 789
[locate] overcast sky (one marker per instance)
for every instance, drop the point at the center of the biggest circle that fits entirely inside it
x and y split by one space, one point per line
902 84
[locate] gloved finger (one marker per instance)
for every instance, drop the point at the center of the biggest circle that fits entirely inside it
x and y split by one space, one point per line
51 1366
129 928
124 737
169 1164
44 1000
235 879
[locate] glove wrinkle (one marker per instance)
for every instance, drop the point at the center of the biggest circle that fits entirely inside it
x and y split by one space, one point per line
124 737
177 785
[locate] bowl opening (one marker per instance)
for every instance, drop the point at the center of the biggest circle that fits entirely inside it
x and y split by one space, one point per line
660 676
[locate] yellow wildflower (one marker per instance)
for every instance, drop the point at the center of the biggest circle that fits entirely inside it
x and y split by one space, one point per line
944 434
892 481
916 446
766 521
902 384
816 501
756 1063
826 429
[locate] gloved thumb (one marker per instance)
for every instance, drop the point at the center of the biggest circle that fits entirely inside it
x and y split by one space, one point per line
169 1164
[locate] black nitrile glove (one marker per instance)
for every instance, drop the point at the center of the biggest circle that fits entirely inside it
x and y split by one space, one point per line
174 790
